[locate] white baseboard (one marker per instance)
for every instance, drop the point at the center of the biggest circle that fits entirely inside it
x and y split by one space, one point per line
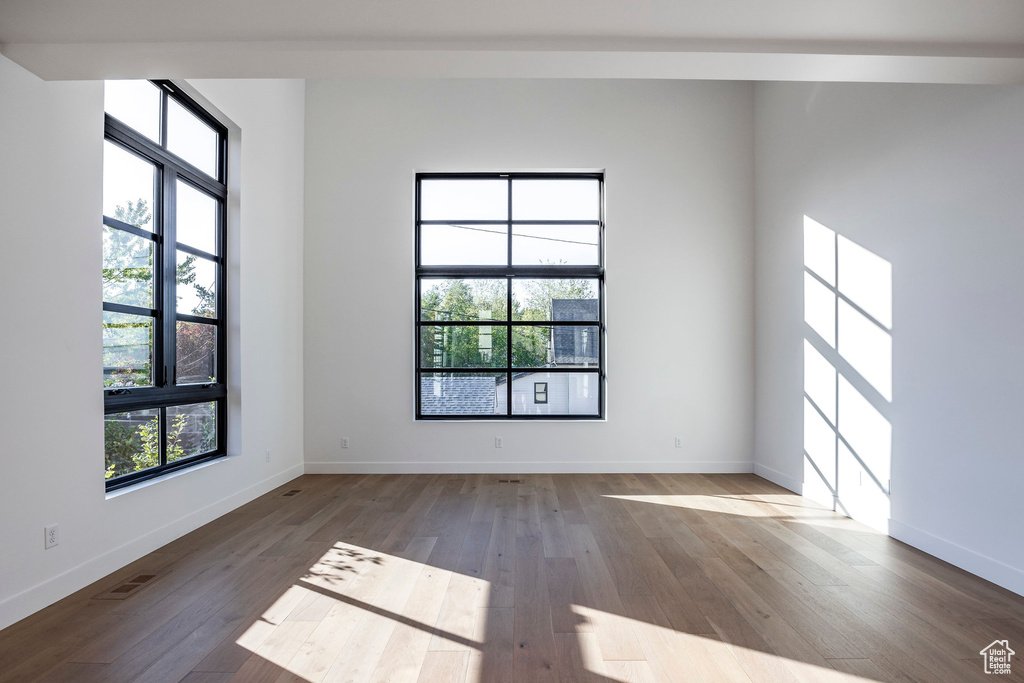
776 477
31 600
987 568
519 467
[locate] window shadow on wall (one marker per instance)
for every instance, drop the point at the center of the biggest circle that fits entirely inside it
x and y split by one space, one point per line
848 388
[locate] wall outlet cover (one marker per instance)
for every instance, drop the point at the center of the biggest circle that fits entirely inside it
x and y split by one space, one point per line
51 536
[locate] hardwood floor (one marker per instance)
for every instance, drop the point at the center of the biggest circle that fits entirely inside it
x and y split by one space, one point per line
465 578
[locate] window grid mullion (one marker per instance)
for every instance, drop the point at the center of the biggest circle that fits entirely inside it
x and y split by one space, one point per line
508 312
163 117
170 280
115 224
417 312
163 436
221 348
130 310
160 286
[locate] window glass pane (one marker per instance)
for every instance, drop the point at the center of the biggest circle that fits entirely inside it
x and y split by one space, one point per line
197 285
127 268
450 346
556 200
464 200
132 441
463 299
127 350
532 347
568 393
191 430
128 185
453 393
554 245
555 299
196 218
191 138
565 345
135 104
463 245
196 361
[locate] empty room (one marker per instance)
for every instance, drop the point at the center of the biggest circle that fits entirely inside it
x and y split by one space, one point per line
477 342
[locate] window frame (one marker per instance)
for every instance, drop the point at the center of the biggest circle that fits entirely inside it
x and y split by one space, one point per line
537 391
511 272
164 393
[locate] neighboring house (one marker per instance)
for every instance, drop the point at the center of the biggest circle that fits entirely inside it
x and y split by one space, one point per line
533 393
550 393
575 345
556 393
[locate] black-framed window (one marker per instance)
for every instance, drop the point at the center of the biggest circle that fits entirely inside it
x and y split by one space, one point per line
509 295
164 278
540 392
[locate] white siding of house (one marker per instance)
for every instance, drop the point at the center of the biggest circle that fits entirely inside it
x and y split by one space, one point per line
568 394
501 400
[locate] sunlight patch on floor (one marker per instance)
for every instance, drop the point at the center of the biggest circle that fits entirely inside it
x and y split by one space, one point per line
362 615
668 652
723 504
356 612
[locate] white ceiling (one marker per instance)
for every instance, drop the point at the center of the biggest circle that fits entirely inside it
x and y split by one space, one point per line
884 40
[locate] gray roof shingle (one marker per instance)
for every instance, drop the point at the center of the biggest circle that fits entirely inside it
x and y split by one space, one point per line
457 395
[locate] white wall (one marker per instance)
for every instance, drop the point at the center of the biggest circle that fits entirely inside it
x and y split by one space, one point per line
929 178
51 406
679 170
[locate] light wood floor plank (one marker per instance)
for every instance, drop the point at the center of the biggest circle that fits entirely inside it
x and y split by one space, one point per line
533 654
444 667
604 604
493 660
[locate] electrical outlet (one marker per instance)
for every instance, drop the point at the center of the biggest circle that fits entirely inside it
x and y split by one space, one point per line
498 442
344 442
679 442
51 538
268 455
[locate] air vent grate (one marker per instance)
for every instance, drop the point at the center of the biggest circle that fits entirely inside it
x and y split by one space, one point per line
127 588
289 494
510 481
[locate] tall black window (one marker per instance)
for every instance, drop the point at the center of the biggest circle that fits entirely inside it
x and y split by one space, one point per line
509 291
164 239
